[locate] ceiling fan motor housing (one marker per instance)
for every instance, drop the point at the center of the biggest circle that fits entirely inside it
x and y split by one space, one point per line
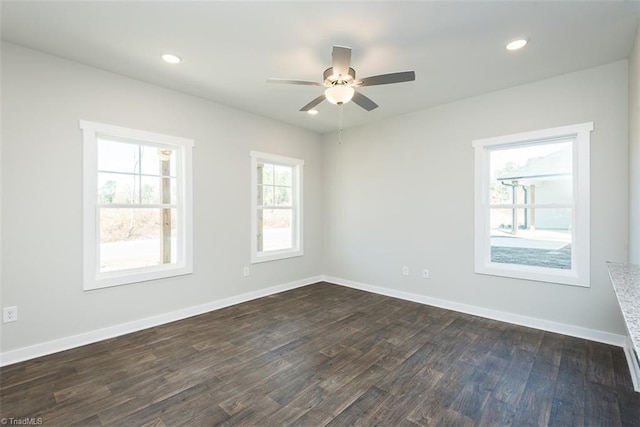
330 79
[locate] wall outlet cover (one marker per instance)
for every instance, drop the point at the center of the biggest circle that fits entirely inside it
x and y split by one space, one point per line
9 314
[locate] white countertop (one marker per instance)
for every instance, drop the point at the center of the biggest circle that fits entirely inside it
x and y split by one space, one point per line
626 283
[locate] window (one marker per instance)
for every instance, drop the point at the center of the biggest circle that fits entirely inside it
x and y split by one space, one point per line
137 205
532 205
276 195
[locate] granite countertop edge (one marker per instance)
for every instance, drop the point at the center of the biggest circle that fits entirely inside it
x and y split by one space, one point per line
626 284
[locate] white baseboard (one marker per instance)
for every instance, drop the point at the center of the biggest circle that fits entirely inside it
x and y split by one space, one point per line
531 322
31 352
49 347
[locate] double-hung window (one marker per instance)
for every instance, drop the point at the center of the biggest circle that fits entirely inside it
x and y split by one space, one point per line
276 211
532 205
137 205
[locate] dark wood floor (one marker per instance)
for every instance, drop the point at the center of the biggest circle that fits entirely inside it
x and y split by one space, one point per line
327 355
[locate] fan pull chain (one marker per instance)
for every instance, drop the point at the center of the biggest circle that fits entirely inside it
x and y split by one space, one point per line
340 123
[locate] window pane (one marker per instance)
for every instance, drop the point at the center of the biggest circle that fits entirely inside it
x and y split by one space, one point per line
282 196
267 195
152 187
126 189
133 238
277 232
151 158
150 190
540 173
540 237
283 175
129 157
117 156
118 188
267 173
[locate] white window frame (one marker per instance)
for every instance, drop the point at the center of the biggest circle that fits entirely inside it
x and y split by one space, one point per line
92 277
296 223
579 275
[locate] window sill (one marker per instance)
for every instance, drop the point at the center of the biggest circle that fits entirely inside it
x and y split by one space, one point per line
126 277
274 256
537 274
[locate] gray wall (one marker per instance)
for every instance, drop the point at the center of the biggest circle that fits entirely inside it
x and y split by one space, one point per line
43 97
634 151
400 193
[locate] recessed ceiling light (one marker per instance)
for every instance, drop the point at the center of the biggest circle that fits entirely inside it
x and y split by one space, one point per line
516 44
312 112
171 59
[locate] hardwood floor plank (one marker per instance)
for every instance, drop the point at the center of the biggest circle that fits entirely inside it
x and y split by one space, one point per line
534 407
354 412
470 401
253 414
496 413
408 369
450 417
566 414
298 407
78 411
92 421
147 400
198 410
514 378
531 340
428 410
629 406
601 405
151 412
442 396
362 364
570 386
154 423
394 410
80 392
600 365
326 354
489 372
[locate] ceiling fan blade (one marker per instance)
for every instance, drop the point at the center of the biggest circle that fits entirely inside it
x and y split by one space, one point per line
313 103
294 82
385 79
341 60
364 102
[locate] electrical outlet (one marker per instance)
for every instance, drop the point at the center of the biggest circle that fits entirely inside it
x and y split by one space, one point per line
425 274
9 314
246 271
405 270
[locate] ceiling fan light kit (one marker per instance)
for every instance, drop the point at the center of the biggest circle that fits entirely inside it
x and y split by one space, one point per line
339 94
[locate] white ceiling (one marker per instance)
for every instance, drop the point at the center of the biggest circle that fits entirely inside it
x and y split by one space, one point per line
229 49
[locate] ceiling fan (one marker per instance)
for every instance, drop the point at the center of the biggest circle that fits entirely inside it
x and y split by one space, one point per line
340 82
